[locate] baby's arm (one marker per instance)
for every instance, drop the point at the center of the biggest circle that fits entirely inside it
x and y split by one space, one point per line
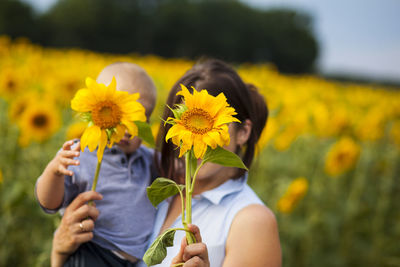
50 185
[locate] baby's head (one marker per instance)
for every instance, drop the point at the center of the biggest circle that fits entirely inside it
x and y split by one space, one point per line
132 79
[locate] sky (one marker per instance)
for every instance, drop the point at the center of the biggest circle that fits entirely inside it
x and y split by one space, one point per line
356 37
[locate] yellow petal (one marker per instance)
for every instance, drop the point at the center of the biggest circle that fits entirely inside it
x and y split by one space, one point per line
187 138
214 135
82 101
224 135
117 135
211 140
90 83
102 145
91 137
219 105
132 128
224 119
173 131
186 95
112 87
199 147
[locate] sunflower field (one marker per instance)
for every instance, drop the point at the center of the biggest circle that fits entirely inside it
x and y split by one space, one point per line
328 163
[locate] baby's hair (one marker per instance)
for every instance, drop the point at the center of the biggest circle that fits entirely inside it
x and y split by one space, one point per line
216 77
134 77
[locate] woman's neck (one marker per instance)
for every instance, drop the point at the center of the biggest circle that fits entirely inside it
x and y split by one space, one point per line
203 184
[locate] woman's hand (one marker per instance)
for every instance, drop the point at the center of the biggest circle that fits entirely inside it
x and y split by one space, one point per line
194 255
76 227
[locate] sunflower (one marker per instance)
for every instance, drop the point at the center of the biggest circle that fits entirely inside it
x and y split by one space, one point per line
200 122
295 192
109 112
10 83
342 156
38 122
21 102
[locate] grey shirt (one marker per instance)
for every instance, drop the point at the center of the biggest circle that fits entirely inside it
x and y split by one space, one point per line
126 214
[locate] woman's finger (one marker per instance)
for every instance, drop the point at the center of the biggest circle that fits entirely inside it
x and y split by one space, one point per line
84 226
86 211
196 231
83 237
196 262
83 198
179 257
195 250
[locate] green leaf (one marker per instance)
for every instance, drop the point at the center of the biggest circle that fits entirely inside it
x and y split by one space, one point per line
178 110
85 116
223 157
158 250
161 189
144 132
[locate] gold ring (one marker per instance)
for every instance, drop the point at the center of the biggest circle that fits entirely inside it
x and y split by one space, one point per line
81 226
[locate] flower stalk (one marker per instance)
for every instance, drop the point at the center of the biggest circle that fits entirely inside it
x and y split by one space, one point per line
96 175
188 195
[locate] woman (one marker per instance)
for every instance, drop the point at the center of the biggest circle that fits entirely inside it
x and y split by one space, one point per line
237 229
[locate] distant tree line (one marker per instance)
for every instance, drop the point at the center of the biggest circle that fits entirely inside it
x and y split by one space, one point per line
225 29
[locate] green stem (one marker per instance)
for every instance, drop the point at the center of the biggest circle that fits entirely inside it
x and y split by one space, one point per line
187 232
188 196
194 177
183 209
96 177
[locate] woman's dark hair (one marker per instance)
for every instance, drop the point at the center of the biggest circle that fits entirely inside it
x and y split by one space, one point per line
215 76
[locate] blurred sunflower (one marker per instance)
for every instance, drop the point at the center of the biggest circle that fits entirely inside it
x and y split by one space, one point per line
200 122
109 112
267 134
64 85
38 122
342 156
295 192
20 103
284 139
10 83
76 130
1 177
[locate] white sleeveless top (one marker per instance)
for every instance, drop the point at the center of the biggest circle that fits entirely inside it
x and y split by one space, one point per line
213 212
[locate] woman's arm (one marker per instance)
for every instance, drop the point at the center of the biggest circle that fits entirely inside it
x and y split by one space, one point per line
253 239
75 228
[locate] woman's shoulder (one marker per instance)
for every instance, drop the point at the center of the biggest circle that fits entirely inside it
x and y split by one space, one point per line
255 215
261 237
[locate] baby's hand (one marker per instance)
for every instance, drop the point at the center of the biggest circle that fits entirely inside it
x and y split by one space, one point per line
65 157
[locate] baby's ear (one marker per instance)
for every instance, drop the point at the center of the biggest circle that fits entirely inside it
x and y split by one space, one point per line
243 132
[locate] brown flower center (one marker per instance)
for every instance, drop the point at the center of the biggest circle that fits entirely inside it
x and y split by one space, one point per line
40 120
197 121
106 114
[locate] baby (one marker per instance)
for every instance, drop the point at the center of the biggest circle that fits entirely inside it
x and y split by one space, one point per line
126 215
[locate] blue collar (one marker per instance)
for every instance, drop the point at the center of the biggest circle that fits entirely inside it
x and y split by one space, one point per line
231 186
